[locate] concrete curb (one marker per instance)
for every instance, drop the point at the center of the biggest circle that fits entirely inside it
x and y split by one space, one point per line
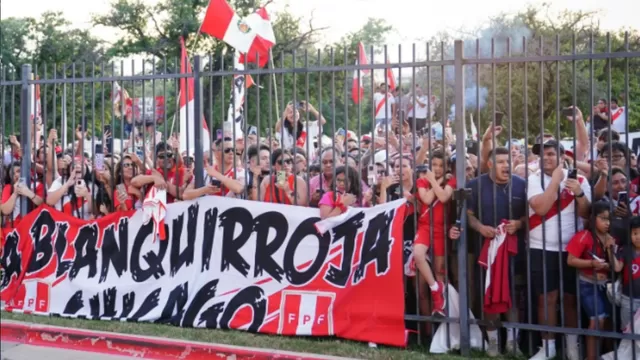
143 347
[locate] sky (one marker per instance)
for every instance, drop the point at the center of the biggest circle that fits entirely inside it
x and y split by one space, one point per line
413 20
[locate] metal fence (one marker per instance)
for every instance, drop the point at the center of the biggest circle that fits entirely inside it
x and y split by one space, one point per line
523 85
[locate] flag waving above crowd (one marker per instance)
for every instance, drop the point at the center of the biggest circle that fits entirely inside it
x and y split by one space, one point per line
252 36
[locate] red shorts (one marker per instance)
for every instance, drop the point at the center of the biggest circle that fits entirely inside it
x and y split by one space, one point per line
423 237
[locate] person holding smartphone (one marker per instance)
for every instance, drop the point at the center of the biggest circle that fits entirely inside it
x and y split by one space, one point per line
127 197
347 187
12 190
284 187
72 195
293 129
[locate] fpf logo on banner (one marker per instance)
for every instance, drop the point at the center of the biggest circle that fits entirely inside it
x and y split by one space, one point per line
306 313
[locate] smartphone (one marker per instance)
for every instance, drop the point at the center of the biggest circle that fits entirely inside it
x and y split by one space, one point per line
499 117
623 197
22 181
573 174
99 164
80 183
595 257
301 105
122 190
216 182
341 132
282 177
371 175
422 168
253 130
469 144
140 154
567 111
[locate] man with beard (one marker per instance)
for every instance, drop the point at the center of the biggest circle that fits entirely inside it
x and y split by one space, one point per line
498 197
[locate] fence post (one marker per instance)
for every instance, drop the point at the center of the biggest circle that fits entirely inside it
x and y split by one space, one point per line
25 135
197 119
461 164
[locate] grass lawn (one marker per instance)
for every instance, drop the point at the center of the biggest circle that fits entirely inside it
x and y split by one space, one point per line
319 346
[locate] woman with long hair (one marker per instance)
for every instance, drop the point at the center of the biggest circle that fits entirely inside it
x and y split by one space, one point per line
13 188
127 197
285 187
72 195
346 185
293 129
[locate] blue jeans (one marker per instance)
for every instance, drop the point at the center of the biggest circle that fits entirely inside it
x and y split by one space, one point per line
594 301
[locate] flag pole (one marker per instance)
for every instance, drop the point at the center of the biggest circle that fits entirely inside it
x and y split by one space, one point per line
275 84
193 48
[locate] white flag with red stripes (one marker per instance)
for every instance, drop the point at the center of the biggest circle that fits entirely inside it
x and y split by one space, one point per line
187 110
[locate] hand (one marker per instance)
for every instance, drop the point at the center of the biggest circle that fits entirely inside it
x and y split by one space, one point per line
122 197
574 186
13 140
519 160
513 226
599 265
621 210
81 191
71 181
578 114
431 177
315 197
491 131
603 166
610 242
135 192
558 174
385 182
408 196
20 189
367 196
488 232
348 199
53 136
211 189
159 183
256 171
307 106
454 233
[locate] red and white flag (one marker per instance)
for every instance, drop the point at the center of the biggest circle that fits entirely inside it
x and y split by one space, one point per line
35 105
119 95
391 81
357 90
252 35
187 109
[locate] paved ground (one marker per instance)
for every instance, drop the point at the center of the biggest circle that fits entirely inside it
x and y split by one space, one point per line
15 351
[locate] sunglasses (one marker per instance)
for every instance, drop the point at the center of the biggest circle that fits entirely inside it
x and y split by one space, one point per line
228 150
285 161
127 165
165 156
187 160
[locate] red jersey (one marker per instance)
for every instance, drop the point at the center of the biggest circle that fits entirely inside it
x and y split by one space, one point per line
437 208
7 191
231 173
130 202
274 194
582 246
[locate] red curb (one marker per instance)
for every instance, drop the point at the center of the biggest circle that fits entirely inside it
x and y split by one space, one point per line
142 347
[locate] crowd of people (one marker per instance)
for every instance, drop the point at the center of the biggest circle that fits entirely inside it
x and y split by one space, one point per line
568 217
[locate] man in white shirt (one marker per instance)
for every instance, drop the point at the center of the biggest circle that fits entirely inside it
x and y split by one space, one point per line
418 107
555 197
618 116
384 106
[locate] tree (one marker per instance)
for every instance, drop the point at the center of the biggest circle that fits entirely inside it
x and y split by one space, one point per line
550 84
54 49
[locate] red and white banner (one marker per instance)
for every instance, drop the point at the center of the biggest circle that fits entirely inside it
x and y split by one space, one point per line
226 263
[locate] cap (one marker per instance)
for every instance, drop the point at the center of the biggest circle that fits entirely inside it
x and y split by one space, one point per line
365 138
548 143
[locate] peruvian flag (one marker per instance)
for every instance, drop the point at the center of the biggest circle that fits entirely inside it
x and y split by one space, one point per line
252 35
118 95
35 105
357 90
391 81
187 110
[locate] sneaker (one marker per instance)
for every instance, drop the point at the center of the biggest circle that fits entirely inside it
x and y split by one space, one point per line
439 302
493 350
511 347
543 354
572 352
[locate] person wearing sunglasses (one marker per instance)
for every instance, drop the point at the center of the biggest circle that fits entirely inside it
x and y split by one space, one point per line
168 174
284 187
